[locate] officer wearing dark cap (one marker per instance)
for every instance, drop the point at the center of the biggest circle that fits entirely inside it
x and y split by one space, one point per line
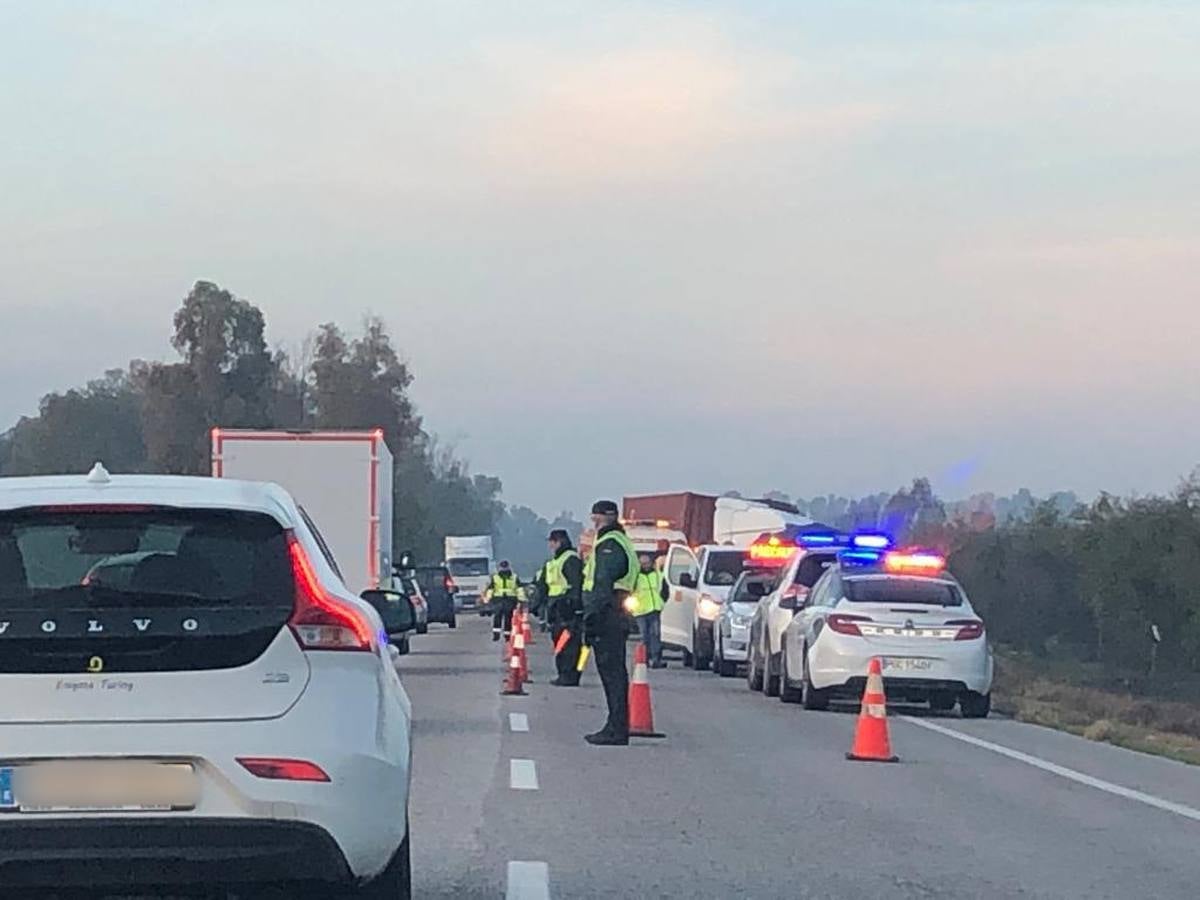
563 577
608 577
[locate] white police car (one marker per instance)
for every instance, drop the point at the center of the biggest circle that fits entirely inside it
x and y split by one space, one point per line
906 609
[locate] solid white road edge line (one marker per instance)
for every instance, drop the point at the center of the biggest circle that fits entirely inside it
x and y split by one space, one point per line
528 881
522 775
1107 786
518 722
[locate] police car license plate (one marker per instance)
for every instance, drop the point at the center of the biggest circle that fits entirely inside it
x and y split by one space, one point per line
906 664
98 786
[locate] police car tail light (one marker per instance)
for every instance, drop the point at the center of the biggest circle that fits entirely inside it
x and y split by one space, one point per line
282 769
319 621
968 629
843 623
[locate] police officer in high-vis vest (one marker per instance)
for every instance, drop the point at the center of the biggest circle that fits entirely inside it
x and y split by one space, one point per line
503 593
645 604
608 579
563 574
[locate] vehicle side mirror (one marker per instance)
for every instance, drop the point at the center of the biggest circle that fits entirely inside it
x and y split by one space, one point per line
794 598
395 609
687 580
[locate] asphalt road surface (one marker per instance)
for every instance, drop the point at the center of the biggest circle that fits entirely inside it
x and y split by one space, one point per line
748 797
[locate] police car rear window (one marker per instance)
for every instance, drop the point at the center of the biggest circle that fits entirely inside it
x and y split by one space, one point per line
902 590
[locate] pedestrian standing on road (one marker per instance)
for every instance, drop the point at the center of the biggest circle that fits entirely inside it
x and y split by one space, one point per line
563 573
608 579
504 591
645 604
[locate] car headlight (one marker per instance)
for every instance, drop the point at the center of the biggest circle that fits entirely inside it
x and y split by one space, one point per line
708 608
740 621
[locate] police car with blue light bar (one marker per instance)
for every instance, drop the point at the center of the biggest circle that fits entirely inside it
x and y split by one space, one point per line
900 606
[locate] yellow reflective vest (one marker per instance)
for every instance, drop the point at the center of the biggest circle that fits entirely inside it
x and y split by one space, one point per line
626 582
647 593
504 588
556 581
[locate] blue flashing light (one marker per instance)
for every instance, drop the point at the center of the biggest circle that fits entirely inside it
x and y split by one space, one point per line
860 557
872 541
818 538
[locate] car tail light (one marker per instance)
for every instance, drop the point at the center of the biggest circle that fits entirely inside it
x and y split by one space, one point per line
968 629
319 621
282 769
846 624
450 585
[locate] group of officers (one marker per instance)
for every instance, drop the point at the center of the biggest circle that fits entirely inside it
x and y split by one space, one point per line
588 603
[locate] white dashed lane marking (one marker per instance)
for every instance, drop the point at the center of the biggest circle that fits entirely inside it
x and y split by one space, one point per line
1099 784
522 775
518 722
528 881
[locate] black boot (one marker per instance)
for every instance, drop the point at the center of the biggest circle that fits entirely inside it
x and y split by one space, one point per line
605 738
495 636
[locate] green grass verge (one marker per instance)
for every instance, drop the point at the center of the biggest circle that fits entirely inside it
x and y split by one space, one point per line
1068 698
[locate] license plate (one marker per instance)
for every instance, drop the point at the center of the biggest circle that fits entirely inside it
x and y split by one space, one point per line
99 786
903 664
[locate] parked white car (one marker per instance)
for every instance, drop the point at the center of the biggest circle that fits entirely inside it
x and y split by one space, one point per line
699 581
225 713
731 645
902 607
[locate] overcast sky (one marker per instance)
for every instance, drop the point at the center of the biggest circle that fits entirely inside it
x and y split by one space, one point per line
639 246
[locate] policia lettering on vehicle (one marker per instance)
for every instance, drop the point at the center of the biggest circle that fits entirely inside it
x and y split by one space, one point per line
608 578
563 574
504 591
645 604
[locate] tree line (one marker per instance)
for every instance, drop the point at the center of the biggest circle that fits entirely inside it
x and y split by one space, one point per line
157 416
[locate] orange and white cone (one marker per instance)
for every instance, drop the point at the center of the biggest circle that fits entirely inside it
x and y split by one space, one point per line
641 712
871 740
527 630
522 657
513 683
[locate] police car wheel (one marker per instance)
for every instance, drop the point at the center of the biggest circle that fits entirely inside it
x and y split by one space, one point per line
810 697
753 673
975 706
787 693
770 679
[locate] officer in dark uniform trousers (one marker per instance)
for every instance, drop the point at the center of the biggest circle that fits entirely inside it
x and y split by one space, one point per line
608 577
504 590
563 575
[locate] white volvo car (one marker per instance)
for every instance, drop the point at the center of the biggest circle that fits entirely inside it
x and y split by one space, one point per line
903 607
192 695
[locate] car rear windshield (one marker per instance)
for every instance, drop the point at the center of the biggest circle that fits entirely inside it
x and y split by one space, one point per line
724 566
153 588
903 590
742 593
812 567
468 566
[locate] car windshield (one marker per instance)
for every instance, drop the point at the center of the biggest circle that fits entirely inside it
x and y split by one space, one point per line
468 566
722 567
920 591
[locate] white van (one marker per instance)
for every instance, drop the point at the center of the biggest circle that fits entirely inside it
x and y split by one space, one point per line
699 581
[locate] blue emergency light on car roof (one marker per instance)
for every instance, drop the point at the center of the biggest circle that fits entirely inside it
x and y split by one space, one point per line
871 541
857 557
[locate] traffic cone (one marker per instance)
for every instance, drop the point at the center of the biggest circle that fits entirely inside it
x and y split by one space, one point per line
527 629
520 656
871 741
513 683
641 714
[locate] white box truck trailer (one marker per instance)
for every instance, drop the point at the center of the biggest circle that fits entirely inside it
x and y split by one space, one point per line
341 479
470 561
